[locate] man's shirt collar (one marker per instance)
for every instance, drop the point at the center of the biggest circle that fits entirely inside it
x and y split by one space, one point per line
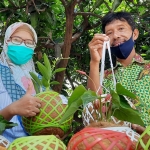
136 59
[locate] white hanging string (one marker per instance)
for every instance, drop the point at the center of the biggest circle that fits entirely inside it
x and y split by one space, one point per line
106 45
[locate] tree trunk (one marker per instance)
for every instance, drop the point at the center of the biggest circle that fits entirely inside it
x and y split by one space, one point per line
66 47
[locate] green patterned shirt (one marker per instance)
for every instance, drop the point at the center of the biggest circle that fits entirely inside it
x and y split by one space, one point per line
136 78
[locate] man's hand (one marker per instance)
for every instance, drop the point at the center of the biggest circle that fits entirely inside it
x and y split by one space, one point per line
96 46
139 129
27 106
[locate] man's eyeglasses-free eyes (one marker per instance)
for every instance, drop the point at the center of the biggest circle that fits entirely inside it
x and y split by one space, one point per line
18 40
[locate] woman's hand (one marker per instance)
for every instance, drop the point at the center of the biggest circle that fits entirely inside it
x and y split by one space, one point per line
27 106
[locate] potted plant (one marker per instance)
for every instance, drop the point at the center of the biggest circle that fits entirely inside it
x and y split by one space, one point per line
144 140
106 138
53 104
42 142
4 124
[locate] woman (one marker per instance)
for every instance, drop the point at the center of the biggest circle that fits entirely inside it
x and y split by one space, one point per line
16 88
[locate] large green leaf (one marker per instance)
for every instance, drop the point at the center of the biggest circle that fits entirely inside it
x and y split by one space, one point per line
122 91
88 96
126 113
77 93
74 102
79 96
71 110
115 98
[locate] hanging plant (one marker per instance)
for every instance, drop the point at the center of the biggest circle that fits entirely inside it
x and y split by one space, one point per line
118 107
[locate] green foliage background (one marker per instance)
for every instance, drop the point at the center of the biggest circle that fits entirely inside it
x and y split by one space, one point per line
67 26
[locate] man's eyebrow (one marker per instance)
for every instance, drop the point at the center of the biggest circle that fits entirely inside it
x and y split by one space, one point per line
120 25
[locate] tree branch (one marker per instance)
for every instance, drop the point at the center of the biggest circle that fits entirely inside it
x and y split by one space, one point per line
6 9
64 3
87 14
12 3
107 6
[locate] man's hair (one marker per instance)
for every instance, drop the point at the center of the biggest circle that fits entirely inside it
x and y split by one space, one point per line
122 16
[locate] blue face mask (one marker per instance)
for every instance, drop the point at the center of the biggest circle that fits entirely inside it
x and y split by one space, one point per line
123 50
19 54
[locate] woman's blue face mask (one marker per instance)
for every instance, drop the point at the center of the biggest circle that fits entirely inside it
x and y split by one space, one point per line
123 50
19 54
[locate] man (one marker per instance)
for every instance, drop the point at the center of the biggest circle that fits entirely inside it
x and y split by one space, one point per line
131 70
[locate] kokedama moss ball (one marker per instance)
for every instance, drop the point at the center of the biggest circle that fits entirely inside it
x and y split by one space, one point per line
99 139
144 140
2 148
47 121
41 142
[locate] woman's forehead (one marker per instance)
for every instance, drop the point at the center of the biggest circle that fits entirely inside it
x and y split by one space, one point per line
23 34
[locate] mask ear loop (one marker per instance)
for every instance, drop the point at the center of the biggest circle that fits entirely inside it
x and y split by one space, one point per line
106 44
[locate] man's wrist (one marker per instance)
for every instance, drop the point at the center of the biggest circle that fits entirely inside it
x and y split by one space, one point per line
94 63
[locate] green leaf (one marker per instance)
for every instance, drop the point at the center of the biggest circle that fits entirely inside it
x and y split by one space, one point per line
16 2
34 19
36 87
70 111
47 64
126 113
43 71
35 78
10 125
59 70
115 98
145 47
2 127
54 83
4 124
74 102
88 96
45 82
122 91
77 93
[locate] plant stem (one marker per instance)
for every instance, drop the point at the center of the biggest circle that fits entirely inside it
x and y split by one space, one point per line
109 110
92 82
100 110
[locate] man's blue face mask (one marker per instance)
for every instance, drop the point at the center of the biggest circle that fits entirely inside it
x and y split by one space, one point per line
19 54
123 50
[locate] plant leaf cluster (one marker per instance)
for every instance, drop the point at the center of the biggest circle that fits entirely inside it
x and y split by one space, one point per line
4 124
47 71
118 104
